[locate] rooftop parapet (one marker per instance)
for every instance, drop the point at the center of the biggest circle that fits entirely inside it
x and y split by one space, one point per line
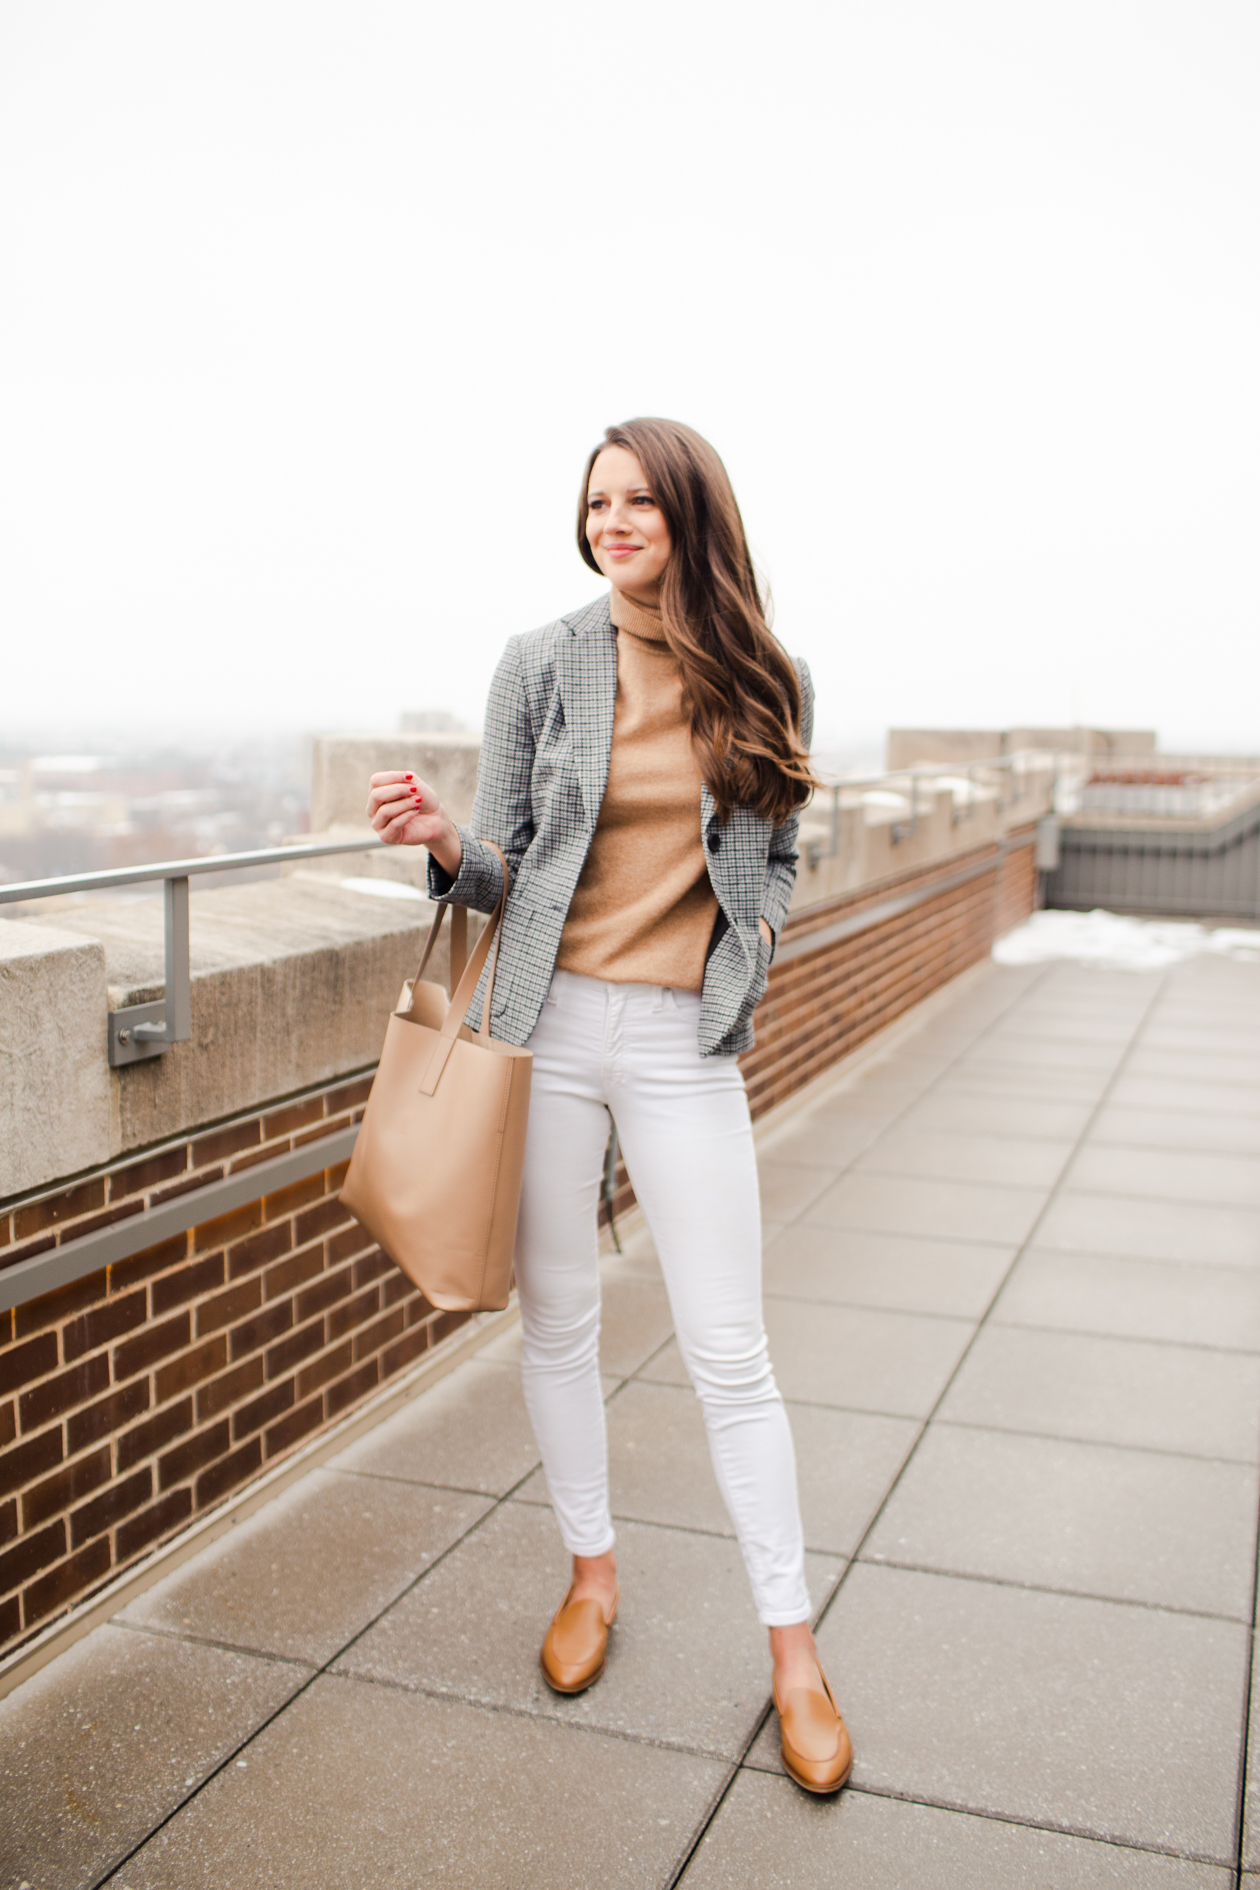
910 747
863 830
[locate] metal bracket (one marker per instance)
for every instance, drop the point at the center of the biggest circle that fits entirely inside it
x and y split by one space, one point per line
140 1031
906 829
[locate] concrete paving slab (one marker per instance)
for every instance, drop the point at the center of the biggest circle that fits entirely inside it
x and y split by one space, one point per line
1198 1034
301 1576
907 1204
861 1359
770 1834
848 1357
1151 1230
1097 983
1018 1080
1221 999
1110 1391
1007 1047
1168 1174
1231 1070
1127 1525
886 1086
637 1251
1228 1014
788 1188
955 1029
1251 1797
1181 1129
965 1113
108 1740
861 1102
1044 1708
660 1471
366 1785
469 1432
635 1321
1179 1301
687 1661
1174 1092
826 1141
900 1272
1068 1023
949 1155
906 1066
1083 994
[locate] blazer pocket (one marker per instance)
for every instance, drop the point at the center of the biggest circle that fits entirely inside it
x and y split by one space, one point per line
518 924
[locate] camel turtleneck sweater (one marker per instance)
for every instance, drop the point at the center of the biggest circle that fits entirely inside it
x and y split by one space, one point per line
643 910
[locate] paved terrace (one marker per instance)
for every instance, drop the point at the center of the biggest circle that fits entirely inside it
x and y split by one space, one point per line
1013 1279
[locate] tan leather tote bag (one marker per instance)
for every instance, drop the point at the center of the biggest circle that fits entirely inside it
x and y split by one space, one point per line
436 1172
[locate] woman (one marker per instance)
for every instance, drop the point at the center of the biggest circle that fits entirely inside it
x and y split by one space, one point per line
643 767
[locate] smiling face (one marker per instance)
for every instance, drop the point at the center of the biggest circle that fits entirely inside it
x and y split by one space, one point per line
625 527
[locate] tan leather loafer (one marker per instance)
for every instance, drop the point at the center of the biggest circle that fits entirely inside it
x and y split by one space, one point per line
817 1750
573 1653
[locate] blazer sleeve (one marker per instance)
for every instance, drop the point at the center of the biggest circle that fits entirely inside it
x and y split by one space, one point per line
503 810
783 855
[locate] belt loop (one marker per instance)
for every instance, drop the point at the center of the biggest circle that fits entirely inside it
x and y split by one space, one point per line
658 999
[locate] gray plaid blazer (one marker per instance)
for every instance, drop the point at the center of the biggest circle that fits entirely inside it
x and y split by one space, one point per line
544 768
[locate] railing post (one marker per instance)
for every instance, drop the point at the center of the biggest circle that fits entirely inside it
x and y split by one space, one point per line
146 1030
178 965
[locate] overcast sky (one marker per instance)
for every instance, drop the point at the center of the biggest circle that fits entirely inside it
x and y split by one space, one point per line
311 312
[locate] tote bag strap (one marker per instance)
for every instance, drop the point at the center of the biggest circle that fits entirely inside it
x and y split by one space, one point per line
459 943
462 997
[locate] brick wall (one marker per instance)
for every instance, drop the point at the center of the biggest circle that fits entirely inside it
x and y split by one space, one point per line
821 1005
134 1399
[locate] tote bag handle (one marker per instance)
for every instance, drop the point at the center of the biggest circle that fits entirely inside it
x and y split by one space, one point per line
462 996
459 944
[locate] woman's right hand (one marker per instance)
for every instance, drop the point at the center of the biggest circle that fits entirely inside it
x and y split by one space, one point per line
407 813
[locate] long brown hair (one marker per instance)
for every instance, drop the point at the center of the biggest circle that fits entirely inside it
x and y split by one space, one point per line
740 687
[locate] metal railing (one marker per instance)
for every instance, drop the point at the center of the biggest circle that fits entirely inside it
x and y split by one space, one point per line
137 1032
1169 787
965 780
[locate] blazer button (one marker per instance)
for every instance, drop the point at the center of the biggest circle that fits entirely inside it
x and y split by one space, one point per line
715 840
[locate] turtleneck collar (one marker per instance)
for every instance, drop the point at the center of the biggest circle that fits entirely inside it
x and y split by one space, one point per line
627 615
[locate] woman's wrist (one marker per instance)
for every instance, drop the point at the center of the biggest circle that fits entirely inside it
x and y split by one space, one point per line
448 849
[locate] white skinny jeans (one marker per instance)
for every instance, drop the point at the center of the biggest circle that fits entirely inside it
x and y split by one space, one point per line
684 1129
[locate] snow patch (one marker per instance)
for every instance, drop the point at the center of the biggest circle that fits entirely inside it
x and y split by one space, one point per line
383 888
1120 944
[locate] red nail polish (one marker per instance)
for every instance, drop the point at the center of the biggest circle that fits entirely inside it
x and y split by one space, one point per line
409 777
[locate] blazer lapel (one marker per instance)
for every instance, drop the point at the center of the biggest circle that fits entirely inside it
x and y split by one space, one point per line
586 675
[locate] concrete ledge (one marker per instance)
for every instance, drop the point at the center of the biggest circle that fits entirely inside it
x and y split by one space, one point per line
55 1097
293 981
